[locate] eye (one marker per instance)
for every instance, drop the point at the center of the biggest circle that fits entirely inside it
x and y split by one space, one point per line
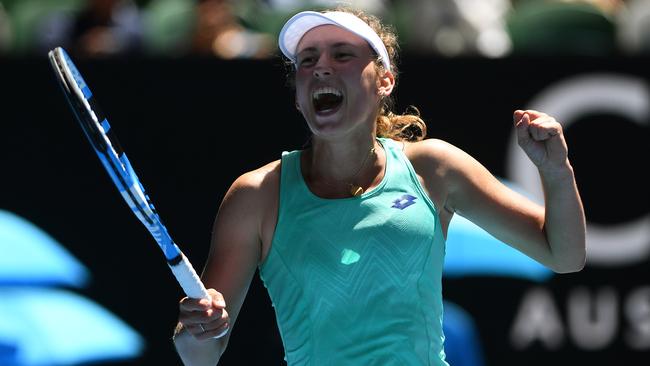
343 55
306 61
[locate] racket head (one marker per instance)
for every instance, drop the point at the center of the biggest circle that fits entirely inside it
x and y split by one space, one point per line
90 117
103 140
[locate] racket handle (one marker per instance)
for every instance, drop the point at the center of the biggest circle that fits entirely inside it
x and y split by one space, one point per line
191 283
189 280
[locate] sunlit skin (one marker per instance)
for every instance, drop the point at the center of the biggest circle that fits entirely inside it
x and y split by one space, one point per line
329 56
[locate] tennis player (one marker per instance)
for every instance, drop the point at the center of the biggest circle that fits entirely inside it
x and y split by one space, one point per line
348 234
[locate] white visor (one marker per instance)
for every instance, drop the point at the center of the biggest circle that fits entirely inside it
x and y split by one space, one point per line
296 27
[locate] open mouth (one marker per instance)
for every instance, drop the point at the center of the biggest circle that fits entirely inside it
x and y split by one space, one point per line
326 99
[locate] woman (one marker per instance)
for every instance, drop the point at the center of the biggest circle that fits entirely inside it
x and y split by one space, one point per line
348 234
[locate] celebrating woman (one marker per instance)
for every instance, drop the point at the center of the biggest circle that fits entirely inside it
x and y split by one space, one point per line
348 233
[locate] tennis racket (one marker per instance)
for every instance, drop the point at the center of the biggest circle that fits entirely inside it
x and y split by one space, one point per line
103 140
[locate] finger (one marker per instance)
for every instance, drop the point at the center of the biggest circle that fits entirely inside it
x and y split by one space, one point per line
196 329
517 115
217 320
193 318
200 316
190 304
549 124
523 134
217 299
216 328
218 332
533 114
544 129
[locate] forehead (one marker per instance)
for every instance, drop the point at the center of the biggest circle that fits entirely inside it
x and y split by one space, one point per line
328 35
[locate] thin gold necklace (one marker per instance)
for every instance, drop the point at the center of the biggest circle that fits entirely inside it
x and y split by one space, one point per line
355 190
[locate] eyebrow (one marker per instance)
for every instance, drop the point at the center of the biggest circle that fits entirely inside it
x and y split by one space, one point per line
335 45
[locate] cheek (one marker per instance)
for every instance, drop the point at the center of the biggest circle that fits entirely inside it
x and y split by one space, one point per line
370 80
301 76
300 81
368 86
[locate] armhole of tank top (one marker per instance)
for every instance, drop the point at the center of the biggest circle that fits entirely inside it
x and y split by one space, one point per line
285 165
427 199
400 153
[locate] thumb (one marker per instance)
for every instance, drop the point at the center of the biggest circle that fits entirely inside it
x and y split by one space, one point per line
517 115
523 135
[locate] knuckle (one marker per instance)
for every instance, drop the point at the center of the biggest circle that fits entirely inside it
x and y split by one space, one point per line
214 314
216 295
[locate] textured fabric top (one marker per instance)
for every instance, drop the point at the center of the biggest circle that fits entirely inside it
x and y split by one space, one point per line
357 281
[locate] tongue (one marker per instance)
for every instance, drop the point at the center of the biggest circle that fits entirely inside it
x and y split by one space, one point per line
327 101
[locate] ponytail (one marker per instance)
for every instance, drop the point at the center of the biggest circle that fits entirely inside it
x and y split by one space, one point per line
403 127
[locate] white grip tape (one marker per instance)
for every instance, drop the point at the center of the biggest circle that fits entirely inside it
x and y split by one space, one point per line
189 280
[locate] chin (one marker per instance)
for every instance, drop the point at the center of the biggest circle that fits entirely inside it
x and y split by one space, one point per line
327 124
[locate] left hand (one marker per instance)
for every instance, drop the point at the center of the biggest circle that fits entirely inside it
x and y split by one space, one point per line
541 138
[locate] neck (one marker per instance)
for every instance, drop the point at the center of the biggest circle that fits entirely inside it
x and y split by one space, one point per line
343 169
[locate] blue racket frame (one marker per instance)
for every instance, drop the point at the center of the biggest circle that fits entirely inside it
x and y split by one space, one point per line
103 140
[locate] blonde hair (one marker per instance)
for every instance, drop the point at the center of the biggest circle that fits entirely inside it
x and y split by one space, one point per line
408 126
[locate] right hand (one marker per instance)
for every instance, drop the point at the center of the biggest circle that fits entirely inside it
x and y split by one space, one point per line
205 319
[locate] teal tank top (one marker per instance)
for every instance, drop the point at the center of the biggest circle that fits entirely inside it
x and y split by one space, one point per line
357 281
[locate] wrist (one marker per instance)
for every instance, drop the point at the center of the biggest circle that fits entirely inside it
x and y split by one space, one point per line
561 172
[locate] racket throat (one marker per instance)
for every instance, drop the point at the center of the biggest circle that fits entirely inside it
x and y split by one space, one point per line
176 260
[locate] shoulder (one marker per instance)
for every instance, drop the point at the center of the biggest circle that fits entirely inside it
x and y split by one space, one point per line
435 156
250 204
427 147
260 181
443 166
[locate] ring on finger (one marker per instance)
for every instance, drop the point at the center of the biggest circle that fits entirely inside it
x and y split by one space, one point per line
202 328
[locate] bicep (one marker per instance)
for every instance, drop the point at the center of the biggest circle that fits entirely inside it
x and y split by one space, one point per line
235 249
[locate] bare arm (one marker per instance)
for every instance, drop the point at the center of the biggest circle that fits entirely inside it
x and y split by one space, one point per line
235 252
542 138
553 234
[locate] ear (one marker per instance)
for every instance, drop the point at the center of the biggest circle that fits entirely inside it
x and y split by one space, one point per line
385 84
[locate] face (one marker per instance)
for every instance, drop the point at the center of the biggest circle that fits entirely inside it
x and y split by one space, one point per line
337 85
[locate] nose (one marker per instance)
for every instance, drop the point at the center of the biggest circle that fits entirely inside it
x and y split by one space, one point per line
322 72
322 68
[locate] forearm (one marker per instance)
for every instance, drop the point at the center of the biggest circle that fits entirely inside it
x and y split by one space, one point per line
194 352
564 222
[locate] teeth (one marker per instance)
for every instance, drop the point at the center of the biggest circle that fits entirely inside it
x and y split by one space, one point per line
325 90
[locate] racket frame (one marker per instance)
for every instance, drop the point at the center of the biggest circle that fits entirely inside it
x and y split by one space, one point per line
103 140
